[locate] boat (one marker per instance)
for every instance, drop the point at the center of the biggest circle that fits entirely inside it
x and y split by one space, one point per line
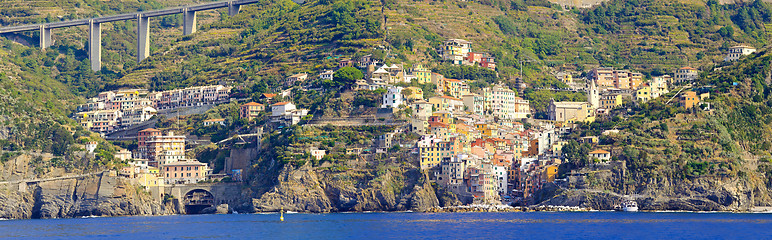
630 206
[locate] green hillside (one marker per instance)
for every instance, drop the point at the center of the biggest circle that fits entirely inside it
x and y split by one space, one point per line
672 151
271 40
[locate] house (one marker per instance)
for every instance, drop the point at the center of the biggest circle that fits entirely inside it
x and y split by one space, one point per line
643 94
381 74
610 101
414 93
474 103
396 73
136 115
738 51
422 110
281 108
300 77
266 97
393 98
445 103
603 76
123 155
251 110
564 77
326 75
488 62
318 154
482 59
188 171
571 112
659 85
287 113
91 146
456 88
366 61
353 151
589 139
345 63
422 74
151 144
217 121
455 50
505 104
549 172
686 75
606 77
689 99
600 155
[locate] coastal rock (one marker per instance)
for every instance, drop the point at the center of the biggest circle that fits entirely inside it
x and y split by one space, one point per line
307 189
297 190
219 209
98 195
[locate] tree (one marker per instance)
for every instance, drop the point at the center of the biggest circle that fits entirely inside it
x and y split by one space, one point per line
407 92
346 76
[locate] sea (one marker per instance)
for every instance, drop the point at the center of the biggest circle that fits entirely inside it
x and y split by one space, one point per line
516 225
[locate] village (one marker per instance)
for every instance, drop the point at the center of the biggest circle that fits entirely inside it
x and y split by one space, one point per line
485 145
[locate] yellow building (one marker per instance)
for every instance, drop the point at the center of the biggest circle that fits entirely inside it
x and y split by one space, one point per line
643 94
549 173
445 103
610 101
422 74
485 129
432 156
149 179
456 88
415 93
442 116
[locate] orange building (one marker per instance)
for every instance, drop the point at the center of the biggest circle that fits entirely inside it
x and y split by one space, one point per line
183 172
689 99
251 110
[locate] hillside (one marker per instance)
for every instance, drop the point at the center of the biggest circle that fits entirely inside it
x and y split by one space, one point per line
700 160
666 149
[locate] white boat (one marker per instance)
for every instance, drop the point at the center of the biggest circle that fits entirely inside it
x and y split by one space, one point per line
630 206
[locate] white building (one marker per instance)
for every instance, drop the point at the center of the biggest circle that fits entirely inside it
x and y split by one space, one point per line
286 112
318 154
137 115
393 98
326 75
505 104
91 146
686 75
659 85
500 178
593 94
281 108
474 103
599 154
738 51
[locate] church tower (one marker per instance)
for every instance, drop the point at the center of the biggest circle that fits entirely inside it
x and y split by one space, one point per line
593 94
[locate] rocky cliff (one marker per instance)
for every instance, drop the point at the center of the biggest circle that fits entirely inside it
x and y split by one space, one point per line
387 188
98 195
700 194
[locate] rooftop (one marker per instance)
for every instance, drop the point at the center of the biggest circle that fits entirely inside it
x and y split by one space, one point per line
252 104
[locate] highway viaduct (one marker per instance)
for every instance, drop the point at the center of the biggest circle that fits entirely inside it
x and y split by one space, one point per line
143 27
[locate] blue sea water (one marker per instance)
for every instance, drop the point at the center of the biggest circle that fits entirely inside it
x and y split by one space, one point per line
532 225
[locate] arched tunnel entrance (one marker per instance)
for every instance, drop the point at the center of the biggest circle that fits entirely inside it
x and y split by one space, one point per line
197 200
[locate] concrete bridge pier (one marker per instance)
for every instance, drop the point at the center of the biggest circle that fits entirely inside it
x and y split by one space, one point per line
189 22
95 45
45 37
143 37
233 9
